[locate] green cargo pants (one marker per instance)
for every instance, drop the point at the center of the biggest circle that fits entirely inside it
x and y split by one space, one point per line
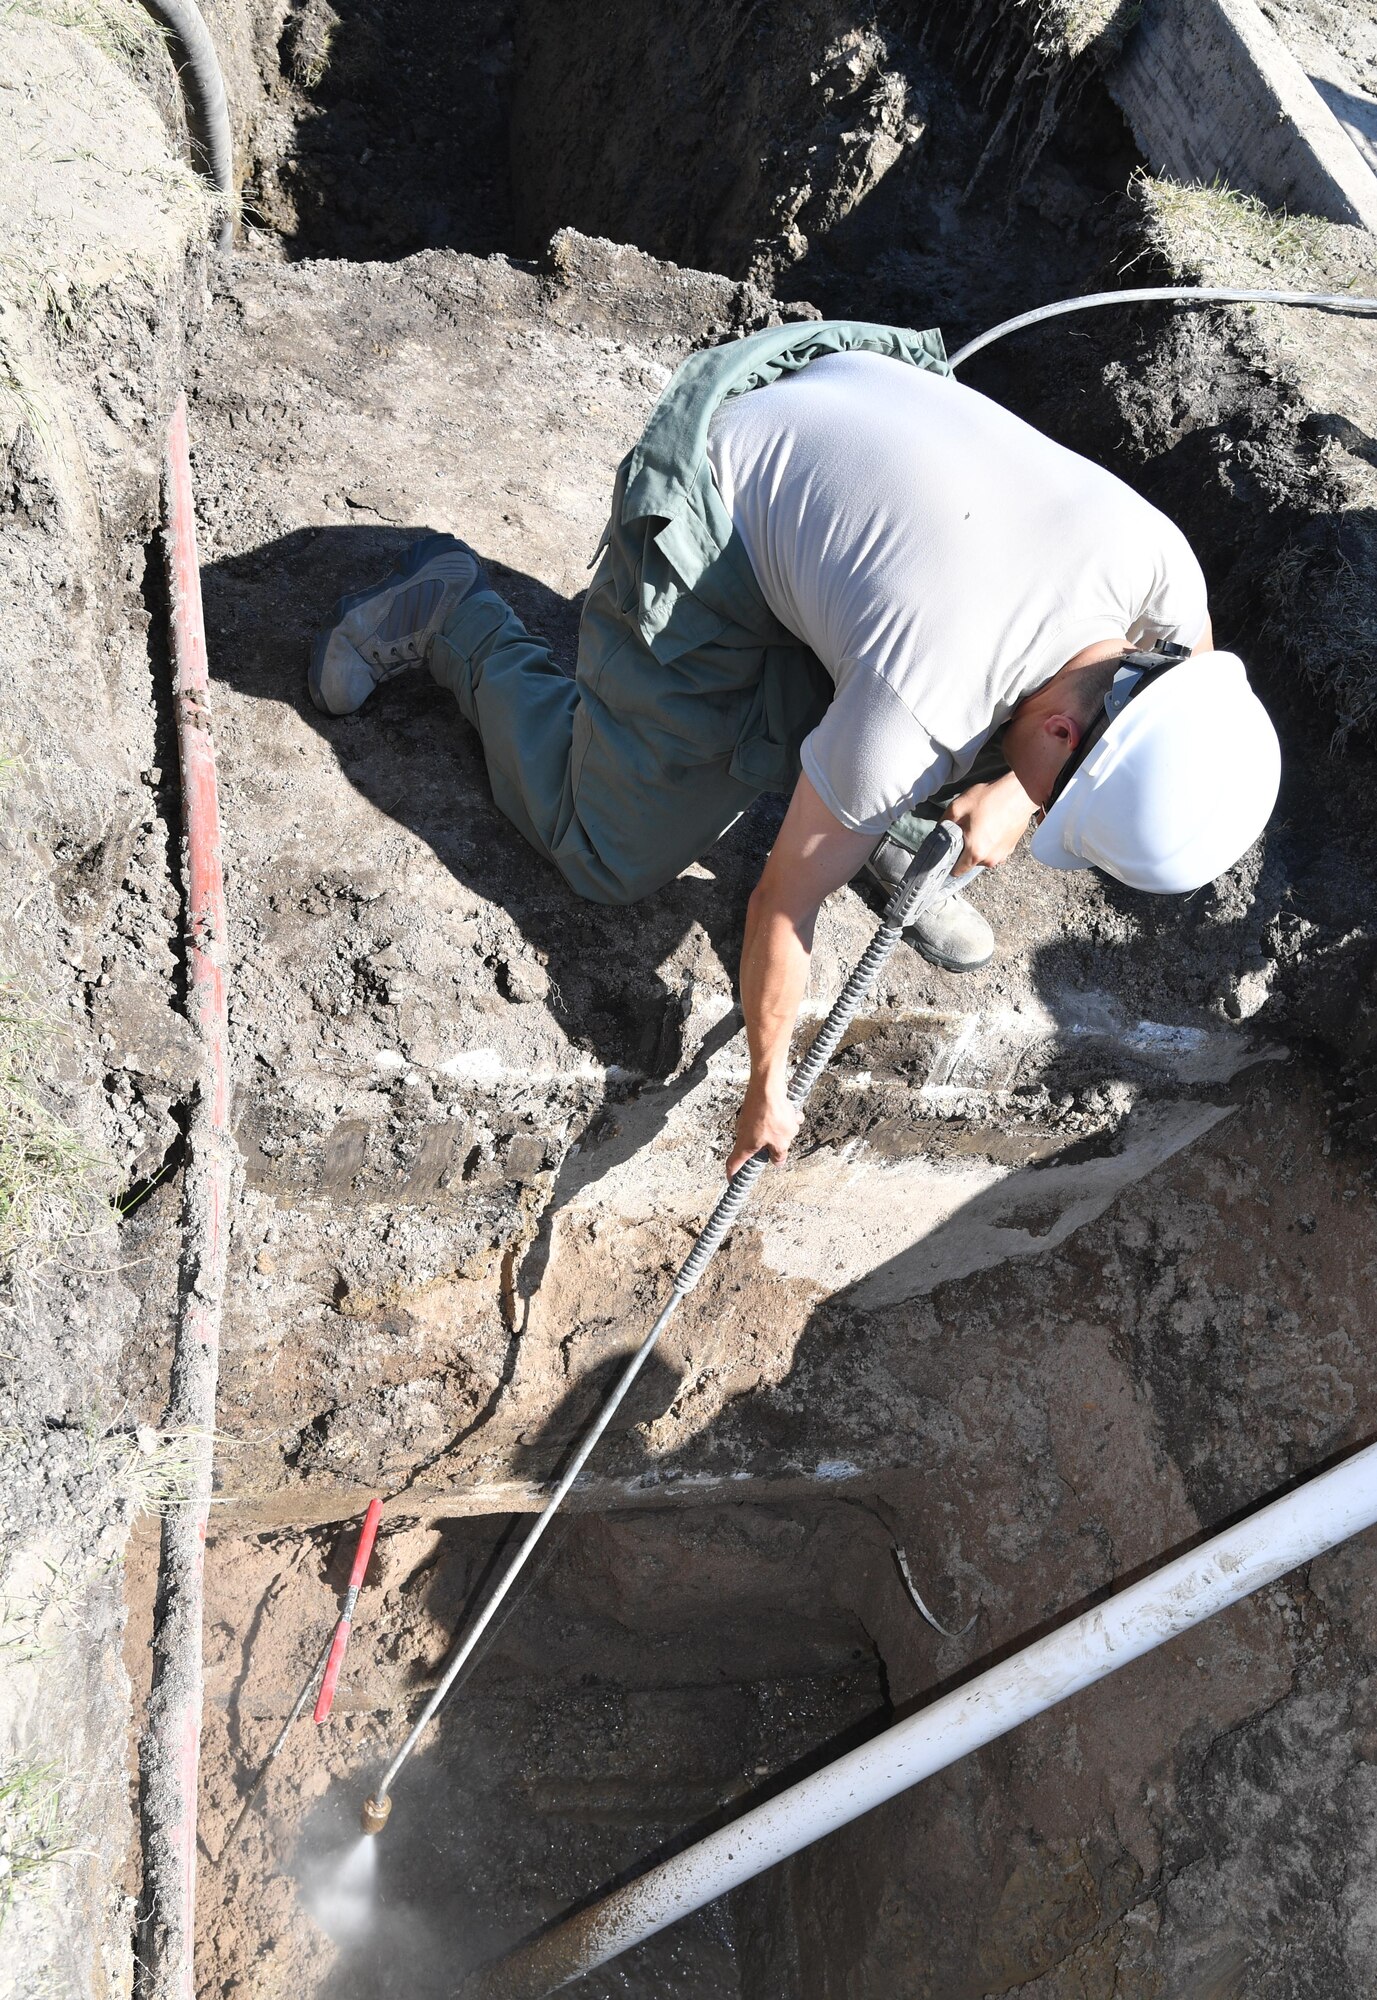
690 698
631 770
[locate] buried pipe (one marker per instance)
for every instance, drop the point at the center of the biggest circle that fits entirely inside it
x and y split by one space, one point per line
170 1751
924 882
207 108
1219 1572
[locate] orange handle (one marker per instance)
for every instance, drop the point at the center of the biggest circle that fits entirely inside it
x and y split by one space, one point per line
367 1536
325 1699
339 1645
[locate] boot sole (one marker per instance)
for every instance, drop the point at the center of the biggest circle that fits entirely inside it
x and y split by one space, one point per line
416 558
944 960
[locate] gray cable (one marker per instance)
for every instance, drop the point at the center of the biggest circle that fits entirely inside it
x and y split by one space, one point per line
198 67
1338 302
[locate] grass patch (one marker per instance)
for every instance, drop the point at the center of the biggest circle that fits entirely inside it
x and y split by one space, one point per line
23 1639
1213 232
34 1830
52 1186
1069 29
308 43
153 1470
121 29
22 403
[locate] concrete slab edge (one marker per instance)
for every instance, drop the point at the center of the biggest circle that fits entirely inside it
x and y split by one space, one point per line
1212 93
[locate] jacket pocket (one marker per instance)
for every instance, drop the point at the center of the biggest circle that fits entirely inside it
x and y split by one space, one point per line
790 700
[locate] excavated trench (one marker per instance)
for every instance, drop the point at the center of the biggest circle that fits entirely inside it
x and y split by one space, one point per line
1076 1259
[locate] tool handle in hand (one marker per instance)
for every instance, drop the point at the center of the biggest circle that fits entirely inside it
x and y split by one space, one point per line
927 875
339 1645
325 1699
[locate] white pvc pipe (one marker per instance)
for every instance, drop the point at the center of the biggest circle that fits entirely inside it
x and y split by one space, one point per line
1199 295
1323 1512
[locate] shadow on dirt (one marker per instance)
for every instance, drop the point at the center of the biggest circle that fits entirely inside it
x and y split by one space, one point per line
410 753
400 141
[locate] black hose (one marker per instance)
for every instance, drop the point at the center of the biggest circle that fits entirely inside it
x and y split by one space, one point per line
927 874
198 67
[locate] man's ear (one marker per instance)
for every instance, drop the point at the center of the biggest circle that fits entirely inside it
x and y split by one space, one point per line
1066 730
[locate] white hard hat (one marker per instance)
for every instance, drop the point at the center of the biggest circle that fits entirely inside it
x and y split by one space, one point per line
1178 785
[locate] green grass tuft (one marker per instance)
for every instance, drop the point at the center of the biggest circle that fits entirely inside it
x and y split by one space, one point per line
1212 231
120 29
308 43
1068 29
53 1187
34 1828
154 1470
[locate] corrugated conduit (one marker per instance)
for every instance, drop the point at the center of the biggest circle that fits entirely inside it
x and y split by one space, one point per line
203 85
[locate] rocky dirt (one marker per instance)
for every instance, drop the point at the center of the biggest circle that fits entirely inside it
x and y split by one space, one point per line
1074 1258
100 276
458 1216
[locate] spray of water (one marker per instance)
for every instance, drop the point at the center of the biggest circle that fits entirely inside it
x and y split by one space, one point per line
340 1892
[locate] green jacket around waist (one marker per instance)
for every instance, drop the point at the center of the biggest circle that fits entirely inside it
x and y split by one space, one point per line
669 506
689 697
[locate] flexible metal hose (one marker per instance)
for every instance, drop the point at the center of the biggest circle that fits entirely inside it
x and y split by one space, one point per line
806 1075
924 882
198 66
1338 302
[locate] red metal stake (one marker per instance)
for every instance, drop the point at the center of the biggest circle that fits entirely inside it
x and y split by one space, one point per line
325 1699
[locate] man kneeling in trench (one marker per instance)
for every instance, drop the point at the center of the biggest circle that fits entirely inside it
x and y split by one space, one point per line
831 568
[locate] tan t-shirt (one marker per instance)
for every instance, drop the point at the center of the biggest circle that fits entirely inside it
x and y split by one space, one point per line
941 557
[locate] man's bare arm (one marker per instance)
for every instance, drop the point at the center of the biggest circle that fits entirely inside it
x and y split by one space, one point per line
813 855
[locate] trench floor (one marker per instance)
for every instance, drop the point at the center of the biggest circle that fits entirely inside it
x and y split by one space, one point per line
1071 1267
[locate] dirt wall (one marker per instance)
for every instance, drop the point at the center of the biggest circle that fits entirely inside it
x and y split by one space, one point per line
101 274
862 161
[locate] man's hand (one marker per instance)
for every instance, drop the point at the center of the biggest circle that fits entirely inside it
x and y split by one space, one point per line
764 1121
993 819
813 855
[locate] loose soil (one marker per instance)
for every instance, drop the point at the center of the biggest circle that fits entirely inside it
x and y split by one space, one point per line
1075 1256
